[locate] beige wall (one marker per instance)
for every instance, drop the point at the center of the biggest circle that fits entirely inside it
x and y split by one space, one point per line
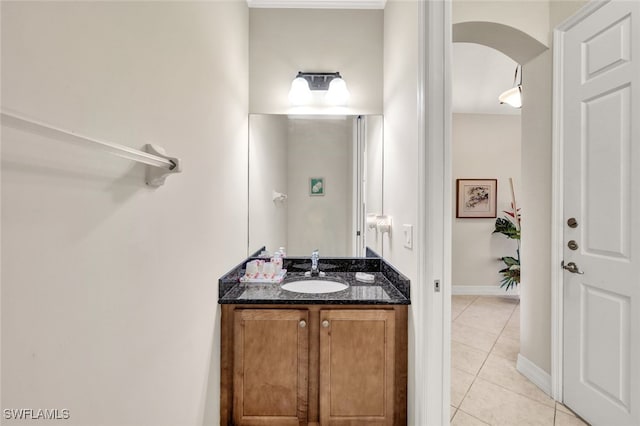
560 10
535 307
268 143
531 17
535 320
285 41
400 130
535 316
401 152
319 148
108 286
484 146
373 180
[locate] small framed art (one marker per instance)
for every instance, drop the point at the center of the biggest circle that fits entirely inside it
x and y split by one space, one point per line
476 198
316 186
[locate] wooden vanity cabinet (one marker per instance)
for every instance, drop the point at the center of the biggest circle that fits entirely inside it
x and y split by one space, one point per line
301 365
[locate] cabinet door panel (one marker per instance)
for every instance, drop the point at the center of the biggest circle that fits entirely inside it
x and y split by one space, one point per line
270 366
357 367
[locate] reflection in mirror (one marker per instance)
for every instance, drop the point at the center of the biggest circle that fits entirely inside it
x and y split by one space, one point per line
312 182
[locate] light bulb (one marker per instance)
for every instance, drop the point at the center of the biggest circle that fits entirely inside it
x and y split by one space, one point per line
338 94
512 97
299 94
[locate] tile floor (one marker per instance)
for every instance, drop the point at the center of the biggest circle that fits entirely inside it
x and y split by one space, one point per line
486 388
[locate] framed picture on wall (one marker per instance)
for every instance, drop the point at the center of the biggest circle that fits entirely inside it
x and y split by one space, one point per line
476 198
316 186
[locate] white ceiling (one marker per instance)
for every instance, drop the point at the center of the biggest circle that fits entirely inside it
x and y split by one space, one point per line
480 74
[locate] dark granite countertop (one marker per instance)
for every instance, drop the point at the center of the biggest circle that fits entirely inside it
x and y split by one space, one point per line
389 288
379 292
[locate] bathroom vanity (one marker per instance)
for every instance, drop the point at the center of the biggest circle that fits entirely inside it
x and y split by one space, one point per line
340 358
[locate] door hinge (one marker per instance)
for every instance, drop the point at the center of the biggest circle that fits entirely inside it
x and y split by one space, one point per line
436 286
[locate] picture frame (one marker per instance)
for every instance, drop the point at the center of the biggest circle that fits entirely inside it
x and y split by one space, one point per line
316 186
476 198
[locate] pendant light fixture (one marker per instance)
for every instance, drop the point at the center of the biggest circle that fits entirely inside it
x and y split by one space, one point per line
513 96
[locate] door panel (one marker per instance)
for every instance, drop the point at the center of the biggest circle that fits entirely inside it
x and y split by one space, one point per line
606 166
600 130
357 367
608 48
605 324
270 366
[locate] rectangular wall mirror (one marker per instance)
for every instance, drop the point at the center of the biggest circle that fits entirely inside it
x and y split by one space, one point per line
312 182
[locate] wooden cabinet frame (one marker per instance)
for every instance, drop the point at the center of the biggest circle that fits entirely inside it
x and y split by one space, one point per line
313 313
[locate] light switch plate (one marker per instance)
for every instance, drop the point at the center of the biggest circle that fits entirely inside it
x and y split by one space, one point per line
408 236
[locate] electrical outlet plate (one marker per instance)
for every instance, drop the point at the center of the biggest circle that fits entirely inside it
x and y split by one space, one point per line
408 236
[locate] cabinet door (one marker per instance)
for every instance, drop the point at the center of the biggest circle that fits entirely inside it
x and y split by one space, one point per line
270 366
357 367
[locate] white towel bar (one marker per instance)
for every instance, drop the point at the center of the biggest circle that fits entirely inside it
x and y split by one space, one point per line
159 164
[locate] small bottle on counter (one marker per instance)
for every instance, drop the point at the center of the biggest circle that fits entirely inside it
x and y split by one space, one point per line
276 260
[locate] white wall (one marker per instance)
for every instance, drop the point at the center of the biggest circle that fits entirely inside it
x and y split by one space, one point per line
285 41
401 153
319 148
109 287
268 143
485 146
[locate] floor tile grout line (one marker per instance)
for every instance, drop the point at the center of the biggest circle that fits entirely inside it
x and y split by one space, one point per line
496 384
515 393
477 328
484 362
465 308
496 341
475 417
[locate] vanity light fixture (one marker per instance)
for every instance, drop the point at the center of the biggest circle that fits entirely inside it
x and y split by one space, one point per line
331 82
513 96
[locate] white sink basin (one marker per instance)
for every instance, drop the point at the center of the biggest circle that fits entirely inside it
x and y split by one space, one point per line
314 286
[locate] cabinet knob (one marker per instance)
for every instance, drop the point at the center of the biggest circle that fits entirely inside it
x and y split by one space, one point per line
325 323
303 323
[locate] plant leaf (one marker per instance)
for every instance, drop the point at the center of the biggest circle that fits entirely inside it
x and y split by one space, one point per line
507 228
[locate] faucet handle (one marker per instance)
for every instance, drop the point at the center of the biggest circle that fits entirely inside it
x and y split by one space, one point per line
315 253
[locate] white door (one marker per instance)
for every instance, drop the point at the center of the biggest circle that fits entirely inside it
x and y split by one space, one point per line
600 102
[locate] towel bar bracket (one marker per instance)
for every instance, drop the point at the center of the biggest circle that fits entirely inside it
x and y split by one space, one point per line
155 176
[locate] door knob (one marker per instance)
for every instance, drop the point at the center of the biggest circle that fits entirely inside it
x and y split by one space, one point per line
303 323
325 323
572 222
571 267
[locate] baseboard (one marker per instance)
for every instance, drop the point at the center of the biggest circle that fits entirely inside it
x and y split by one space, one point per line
484 290
535 374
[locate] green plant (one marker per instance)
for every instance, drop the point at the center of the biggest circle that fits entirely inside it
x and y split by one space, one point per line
510 227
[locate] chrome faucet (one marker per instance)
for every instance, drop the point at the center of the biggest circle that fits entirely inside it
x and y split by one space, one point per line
315 256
